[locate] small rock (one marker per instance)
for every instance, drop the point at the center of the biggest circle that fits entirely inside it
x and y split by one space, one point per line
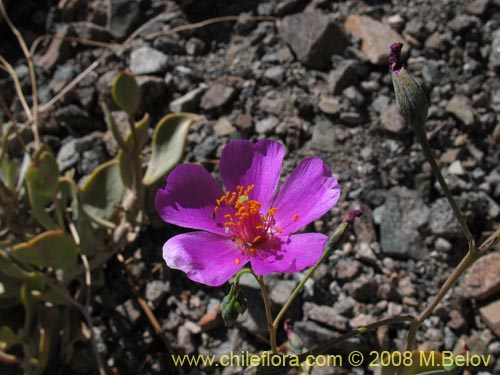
244 121
456 168
154 89
188 102
91 31
185 339
460 106
354 96
351 118
404 213
362 320
477 7
326 315
347 269
217 96
129 311
461 23
123 16
345 307
494 59
267 125
156 290
274 74
313 37
442 244
449 156
280 292
489 314
195 46
363 289
392 120
212 319
63 74
223 127
323 136
329 105
457 322
442 221
76 118
147 60
343 76
376 37
482 280
273 102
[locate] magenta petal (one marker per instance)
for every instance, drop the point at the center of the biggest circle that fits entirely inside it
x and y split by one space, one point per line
205 257
308 193
188 199
244 163
296 253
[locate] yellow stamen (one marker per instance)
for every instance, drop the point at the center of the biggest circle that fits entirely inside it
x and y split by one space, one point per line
295 217
237 261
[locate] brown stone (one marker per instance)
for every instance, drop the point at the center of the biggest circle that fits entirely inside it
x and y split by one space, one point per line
347 269
491 316
483 278
376 37
329 105
313 37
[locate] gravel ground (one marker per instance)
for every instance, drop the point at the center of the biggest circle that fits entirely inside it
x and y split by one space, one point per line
313 75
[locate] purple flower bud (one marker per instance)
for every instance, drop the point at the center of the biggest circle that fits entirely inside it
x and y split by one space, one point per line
411 99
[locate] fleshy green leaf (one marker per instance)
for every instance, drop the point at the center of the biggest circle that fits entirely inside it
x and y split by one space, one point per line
33 286
126 93
125 161
8 336
113 126
50 249
42 181
43 175
103 191
8 172
9 268
9 288
169 139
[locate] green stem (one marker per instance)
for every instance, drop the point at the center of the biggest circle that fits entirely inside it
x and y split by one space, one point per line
136 157
269 316
466 262
426 148
358 331
335 238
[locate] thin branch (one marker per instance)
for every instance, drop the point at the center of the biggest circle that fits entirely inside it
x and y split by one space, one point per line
132 43
5 65
31 68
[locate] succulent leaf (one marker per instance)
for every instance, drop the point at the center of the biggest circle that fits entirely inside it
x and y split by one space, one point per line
126 93
54 249
169 139
103 191
42 183
8 336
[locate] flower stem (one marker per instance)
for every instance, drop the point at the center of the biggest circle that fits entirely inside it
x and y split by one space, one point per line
269 316
334 239
426 148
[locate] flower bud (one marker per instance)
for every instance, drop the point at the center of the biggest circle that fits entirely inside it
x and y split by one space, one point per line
232 305
411 99
294 341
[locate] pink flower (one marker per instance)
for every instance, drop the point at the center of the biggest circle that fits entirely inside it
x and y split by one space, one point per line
250 221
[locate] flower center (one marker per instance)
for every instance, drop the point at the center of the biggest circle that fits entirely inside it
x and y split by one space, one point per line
244 221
